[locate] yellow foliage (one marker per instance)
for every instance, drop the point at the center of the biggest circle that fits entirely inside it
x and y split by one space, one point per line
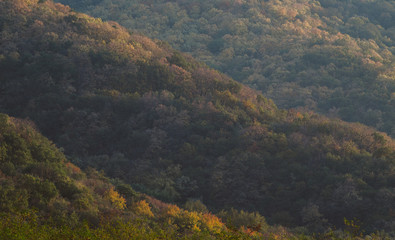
248 104
172 210
116 200
143 208
185 220
212 223
188 220
279 233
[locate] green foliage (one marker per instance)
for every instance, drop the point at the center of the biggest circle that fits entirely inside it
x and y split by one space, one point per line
237 219
12 199
37 175
179 60
125 189
334 57
82 208
177 129
195 205
41 192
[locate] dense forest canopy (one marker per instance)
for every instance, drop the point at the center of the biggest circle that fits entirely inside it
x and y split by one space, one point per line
331 56
44 196
176 129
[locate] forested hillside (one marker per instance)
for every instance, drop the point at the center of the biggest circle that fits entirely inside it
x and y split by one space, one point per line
331 56
43 196
178 130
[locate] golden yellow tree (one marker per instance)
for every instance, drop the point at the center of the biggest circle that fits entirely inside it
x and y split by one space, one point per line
116 200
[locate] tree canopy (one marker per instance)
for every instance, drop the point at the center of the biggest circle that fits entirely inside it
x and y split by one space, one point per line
178 130
332 56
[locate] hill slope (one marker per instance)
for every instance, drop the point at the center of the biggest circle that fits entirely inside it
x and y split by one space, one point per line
43 196
334 57
176 129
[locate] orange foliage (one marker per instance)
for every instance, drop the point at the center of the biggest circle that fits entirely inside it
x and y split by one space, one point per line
172 210
212 223
73 168
250 232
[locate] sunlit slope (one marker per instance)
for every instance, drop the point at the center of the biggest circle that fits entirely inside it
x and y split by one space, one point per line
44 196
334 57
176 129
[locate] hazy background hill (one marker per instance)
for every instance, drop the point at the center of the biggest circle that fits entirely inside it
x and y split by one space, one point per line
334 57
176 129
